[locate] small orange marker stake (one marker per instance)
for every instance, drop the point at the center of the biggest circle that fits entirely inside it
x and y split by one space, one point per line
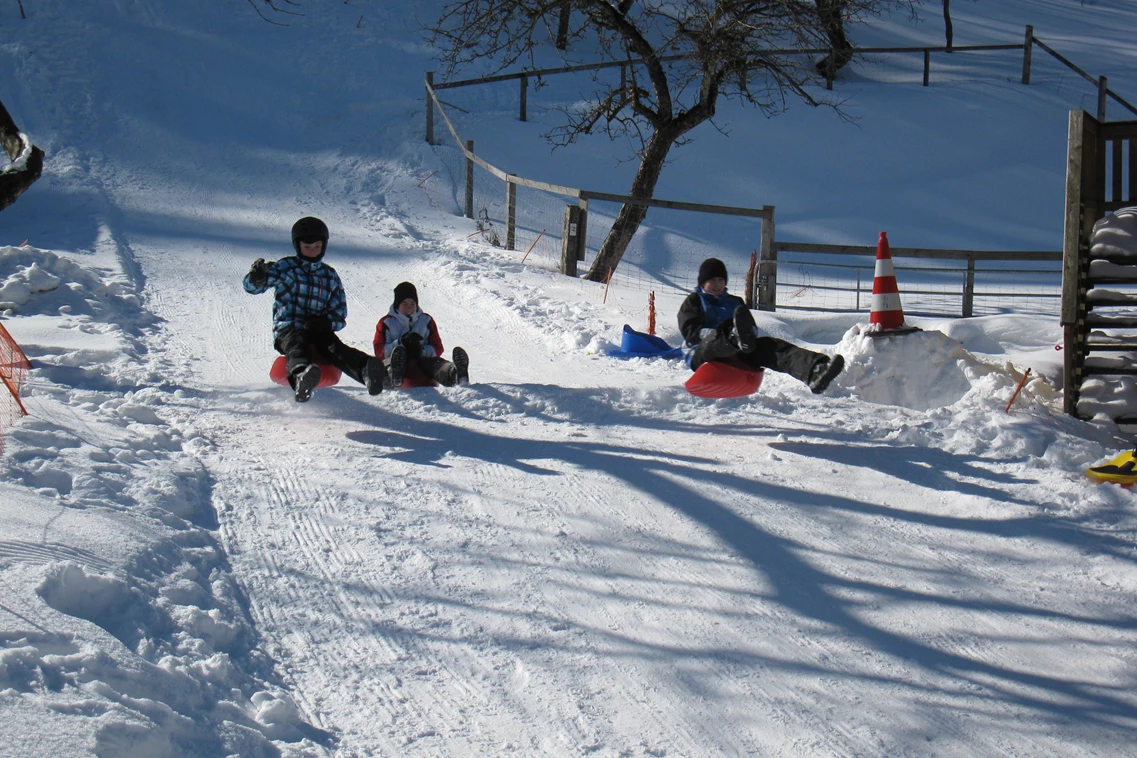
608 283
651 313
1018 389
539 236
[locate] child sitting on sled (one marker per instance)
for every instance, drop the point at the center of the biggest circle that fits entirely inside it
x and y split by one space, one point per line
408 338
717 326
308 308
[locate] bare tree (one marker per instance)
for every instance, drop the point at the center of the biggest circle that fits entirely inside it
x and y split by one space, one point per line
832 15
272 5
25 160
947 22
683 55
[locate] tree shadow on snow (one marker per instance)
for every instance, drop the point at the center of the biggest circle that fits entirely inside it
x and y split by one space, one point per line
690 485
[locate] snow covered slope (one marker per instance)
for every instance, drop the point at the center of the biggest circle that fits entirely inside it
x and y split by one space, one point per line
572 555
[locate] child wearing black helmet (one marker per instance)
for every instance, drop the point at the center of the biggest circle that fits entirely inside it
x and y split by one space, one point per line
308 309
407 335
718 326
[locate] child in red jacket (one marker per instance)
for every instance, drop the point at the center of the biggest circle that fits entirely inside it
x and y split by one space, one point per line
407 335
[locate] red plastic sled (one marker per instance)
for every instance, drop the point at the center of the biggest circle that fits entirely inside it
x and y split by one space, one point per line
329 374
413 377
718 379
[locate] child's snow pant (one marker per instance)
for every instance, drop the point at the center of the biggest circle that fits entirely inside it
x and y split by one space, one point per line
440 370
769 352
317 342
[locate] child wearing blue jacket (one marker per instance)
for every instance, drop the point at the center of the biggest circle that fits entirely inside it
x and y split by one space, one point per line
308 309
718 326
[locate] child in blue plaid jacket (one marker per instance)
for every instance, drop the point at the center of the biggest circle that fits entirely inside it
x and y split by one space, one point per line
308 309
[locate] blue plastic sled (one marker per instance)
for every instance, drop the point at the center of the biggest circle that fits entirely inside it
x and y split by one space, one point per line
639 345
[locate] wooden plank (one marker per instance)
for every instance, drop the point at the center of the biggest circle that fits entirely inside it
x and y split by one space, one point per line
1091 79
758 54
724 210
1071 244
1119 129
767 285
1117 148
1131 193
1028 45
1071 372
570 240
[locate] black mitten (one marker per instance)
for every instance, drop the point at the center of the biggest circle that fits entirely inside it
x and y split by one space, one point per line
413 344
258 273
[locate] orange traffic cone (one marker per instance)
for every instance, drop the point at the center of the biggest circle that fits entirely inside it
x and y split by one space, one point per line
886 310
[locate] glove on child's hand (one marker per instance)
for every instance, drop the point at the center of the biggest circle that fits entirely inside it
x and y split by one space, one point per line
258 273
413 344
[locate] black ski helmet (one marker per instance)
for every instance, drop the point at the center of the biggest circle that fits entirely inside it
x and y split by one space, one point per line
310 229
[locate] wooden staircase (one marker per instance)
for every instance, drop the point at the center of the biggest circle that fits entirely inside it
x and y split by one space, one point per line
1099 282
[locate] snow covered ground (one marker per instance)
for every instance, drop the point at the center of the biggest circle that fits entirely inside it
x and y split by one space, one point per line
571 556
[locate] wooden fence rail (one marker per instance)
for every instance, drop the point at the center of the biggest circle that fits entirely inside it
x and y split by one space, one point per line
766 275
765 278
576 217
1026 46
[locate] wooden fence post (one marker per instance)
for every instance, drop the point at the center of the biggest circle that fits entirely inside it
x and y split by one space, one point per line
429 108
469 178
524 96
570 240
751 277
1103 91
582 229
767 265
510 214
1077 152
1028 47
927 64
969 288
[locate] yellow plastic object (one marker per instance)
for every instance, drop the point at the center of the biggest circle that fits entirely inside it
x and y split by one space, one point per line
1121 470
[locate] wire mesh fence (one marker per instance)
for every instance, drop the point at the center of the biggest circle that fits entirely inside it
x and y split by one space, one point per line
812 283
14 366
668 247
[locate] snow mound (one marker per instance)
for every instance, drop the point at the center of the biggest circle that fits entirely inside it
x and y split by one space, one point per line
918 370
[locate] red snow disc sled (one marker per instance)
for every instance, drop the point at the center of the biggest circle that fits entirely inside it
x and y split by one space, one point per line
329 374
719 379
413 377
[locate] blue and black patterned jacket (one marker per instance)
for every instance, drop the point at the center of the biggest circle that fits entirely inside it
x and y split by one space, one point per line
305 289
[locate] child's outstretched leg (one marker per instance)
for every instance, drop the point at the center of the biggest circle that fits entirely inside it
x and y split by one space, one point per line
817 370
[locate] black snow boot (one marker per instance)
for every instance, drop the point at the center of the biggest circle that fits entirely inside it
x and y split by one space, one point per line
396 367
304 381
824 372
745 331
461 366
374 376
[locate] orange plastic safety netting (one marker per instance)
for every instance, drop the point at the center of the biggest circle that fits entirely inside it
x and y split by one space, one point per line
14 367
